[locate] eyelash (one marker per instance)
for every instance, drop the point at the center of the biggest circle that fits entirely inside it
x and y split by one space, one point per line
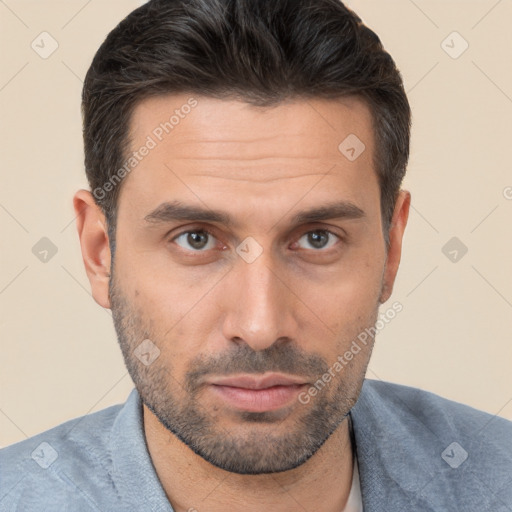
211 234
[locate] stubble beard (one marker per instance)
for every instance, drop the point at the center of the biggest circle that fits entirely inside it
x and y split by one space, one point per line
259 444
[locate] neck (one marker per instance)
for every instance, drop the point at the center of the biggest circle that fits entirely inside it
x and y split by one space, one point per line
191 483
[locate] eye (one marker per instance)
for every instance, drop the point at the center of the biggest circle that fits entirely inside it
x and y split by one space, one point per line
319 239
199 240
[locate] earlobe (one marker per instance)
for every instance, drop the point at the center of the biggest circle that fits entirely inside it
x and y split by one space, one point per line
92 231
396 233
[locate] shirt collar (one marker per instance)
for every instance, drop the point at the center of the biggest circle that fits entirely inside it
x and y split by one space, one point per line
135 477
133 472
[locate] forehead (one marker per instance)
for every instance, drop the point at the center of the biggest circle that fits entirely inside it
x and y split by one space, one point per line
201 146
179 120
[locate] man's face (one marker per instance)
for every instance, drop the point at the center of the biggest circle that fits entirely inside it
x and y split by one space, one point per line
285 303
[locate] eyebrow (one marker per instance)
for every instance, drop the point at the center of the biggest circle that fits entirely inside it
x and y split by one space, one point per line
177 211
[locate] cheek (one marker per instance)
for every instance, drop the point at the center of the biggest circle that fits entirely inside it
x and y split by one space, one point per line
156 288
349 294
348 305
180 316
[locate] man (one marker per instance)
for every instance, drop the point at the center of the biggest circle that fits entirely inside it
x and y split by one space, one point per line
244 225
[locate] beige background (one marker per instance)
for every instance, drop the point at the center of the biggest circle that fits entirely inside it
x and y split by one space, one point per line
59 356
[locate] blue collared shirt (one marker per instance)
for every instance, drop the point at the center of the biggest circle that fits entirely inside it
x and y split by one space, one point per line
415 452
97 462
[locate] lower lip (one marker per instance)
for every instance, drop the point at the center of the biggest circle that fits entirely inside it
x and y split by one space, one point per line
258 400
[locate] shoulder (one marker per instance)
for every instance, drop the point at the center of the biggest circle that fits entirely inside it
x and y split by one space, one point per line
415 445
408 404
43 469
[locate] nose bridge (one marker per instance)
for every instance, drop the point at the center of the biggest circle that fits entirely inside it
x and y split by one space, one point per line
257 310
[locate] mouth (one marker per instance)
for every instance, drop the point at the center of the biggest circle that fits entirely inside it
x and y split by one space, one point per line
258 393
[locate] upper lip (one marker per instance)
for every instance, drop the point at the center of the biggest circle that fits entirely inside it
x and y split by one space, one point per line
258 382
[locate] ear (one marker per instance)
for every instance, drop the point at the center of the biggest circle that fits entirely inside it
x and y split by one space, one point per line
92 231
396 233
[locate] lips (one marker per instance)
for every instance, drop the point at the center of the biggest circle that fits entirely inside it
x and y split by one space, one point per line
254 382
257 393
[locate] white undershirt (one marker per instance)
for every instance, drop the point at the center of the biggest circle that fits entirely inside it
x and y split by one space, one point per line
355 501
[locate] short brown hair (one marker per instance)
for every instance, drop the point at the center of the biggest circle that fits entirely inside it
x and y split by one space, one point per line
258 51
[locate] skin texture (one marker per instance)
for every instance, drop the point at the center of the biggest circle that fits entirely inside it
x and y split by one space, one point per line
293 310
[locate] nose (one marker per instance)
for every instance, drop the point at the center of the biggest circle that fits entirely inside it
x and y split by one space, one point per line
258 305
